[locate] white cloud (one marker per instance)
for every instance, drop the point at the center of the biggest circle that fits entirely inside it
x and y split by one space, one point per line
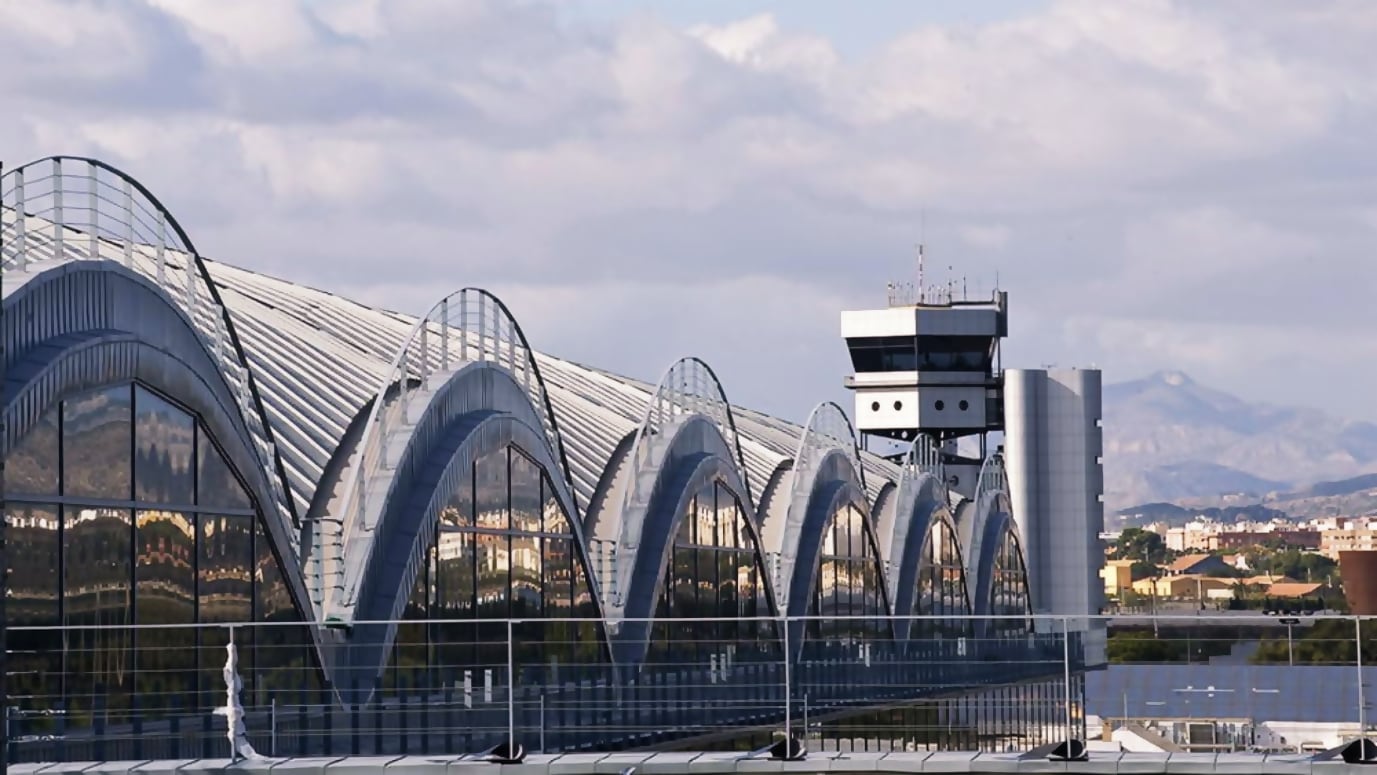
1148 177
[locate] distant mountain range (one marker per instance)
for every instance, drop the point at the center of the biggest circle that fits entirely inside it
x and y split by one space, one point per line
1171 439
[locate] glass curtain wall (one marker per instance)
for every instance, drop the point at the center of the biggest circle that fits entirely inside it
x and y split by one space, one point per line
941 585
714 573
503 548
1009 588
847 604
122 511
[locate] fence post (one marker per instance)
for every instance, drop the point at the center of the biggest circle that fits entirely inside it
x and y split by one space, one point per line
788 708
1362 702
511 692
272 728
1066 670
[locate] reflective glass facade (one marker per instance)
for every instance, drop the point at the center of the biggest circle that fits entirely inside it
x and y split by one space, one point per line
941 583
503 548
713 572
847 583
121 510
1009 587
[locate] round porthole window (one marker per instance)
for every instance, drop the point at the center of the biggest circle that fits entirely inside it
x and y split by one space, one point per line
940 405
898 405
964 405
874 406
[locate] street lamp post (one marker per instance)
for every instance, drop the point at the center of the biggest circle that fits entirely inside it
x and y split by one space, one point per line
1290 650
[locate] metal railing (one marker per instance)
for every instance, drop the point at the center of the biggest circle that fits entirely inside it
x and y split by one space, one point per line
142 692
1192 682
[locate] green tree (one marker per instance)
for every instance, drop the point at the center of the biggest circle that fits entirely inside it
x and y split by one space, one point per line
1138 544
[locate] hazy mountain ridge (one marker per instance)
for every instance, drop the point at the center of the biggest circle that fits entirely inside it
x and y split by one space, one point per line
1169 438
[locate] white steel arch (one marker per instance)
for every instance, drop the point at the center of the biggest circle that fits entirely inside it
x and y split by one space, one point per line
688 388
470 325
922 461
71 208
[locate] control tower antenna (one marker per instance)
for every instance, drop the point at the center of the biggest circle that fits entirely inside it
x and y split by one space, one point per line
921 292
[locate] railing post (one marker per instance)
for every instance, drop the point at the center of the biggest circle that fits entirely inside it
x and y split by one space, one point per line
94 204
58 218
444 334
162 249
128 191
21 233
425 355
511 692
1066 670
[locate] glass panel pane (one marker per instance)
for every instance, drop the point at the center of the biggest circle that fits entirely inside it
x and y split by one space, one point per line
165 543
226 595
410 651
219 488
96 562
226 571
454 643
589 633
526 477
35 657
494 588
164 445
490 483
559 636
282 661
555 520
31 468
97 444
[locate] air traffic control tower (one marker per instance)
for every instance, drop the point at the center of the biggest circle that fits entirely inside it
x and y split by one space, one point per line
931 365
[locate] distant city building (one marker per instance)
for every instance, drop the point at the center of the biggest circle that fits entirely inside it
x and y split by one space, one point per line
1354 537
1245 539
1197 564
1117 576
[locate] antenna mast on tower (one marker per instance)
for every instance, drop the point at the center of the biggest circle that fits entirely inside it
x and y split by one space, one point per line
922 292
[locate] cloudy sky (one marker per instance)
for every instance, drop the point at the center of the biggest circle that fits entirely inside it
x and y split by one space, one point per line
1158 185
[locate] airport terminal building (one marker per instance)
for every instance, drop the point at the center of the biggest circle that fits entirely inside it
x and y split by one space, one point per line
407 502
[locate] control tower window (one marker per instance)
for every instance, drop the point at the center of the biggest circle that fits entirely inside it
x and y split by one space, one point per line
923 353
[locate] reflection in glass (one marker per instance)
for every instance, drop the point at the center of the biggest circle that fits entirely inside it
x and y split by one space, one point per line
97 566
96 562
31 468
165 545
96 444
35 657
164 446
283 660
225 592
217 485
503 549
941 584
1009 587
713 573
847 597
